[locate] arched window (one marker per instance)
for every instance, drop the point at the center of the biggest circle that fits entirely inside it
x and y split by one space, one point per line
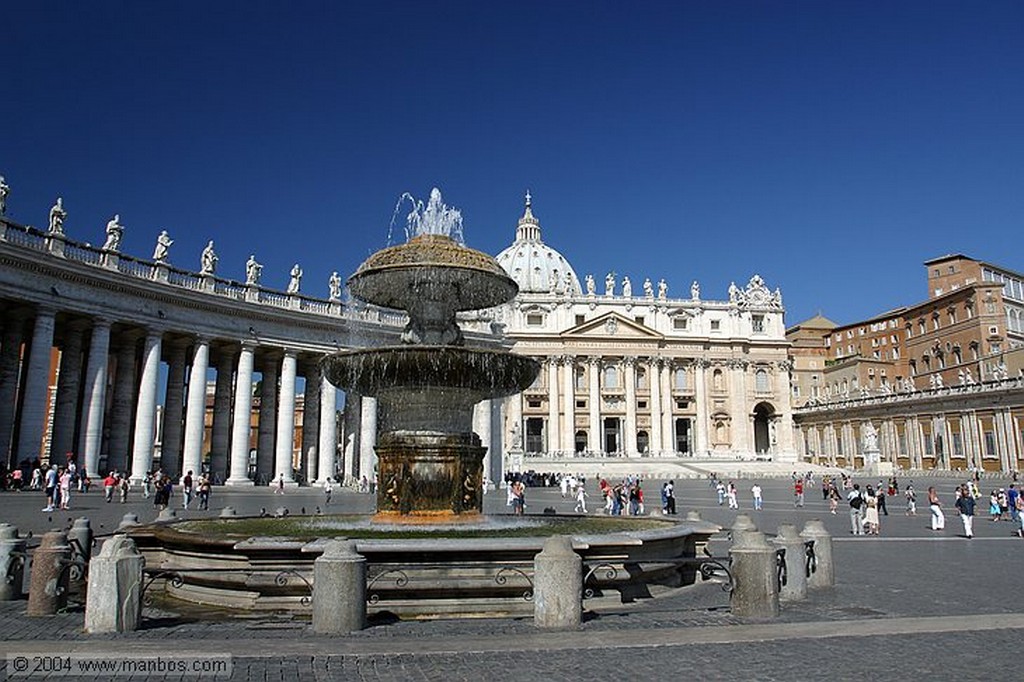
611 377
581 378
641 378
717 379
680 379
761 381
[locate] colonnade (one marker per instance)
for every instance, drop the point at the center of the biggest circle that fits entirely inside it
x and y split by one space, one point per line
91 386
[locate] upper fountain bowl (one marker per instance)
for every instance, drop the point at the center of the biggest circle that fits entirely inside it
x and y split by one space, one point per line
434 270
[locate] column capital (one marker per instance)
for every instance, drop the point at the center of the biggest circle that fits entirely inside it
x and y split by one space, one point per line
46 310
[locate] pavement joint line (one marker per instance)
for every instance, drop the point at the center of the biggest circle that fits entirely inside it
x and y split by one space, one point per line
538 641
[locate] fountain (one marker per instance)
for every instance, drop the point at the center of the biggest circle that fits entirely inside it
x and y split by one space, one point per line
430 462
429 548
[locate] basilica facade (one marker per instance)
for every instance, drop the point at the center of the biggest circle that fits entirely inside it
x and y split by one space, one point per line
631 371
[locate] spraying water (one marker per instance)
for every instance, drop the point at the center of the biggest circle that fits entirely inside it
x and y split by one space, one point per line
433 218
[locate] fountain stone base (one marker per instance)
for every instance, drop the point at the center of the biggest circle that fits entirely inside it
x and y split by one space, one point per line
428 477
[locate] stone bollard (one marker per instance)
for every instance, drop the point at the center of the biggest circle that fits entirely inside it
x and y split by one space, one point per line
693 515
228 513
12 563
743 522
755 576
128 520
339 589
80 538
557 585
48 584
113 601
166 515
824 574
788 539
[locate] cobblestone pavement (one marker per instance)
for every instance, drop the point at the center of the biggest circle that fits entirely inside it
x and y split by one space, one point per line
913 603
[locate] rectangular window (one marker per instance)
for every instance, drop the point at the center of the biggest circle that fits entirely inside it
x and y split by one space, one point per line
958 444
990 444
680 323
716 325
641 404
581 404
757 323
534 319
533 403
580 319
639 320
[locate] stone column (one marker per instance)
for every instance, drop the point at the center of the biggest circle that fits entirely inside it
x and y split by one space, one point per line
594 434
557 585
286 419
700 396
311 424
667 427
114 599
654 374
495 468
12 565
122 407
241 420
174 407
95 396
327 443
65 412
48 585
353 420
754 571
629 364
482 428
569 405
36 387
739 411
220 432
195 412
10 369
145 414
368 439
265 442
824 574
788 539
339 589
553 431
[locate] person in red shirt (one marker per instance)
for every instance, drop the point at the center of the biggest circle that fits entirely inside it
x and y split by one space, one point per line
798 491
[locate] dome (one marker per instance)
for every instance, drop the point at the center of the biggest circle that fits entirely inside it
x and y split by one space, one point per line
536 267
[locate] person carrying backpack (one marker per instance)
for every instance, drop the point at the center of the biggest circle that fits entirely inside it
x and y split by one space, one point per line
856 510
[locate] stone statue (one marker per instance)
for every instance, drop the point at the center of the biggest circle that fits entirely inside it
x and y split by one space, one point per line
208 261
609 284
590 285
627 288
968 378
568 283
296 277
648 288
695 290
5 191
252 271
57 216
115 230
553 281
517 438
163 247
870 438
334 286
734 293
662 290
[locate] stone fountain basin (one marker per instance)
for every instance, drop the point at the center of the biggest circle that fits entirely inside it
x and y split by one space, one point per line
418 577
430 388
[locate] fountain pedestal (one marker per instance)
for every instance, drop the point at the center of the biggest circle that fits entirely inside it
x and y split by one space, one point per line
429 477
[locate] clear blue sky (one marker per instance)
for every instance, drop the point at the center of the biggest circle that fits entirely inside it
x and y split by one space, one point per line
829 146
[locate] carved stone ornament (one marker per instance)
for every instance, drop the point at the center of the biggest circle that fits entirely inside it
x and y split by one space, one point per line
757 295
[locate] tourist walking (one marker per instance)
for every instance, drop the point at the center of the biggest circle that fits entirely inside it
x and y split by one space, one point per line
328 490
204 491
65 489
965 505
880 495
280 484
670 498
186 490
856 501
581 500
798 491
871 519
993 506
833 499
731 493
911 500
755 491
938 518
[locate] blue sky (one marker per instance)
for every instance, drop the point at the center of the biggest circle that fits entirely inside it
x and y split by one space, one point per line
829 146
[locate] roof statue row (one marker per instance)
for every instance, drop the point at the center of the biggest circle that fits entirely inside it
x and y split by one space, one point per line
208 259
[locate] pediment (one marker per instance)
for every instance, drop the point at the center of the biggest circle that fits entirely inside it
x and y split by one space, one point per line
612 326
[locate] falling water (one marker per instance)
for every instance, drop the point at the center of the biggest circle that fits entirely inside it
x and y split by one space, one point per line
433 218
